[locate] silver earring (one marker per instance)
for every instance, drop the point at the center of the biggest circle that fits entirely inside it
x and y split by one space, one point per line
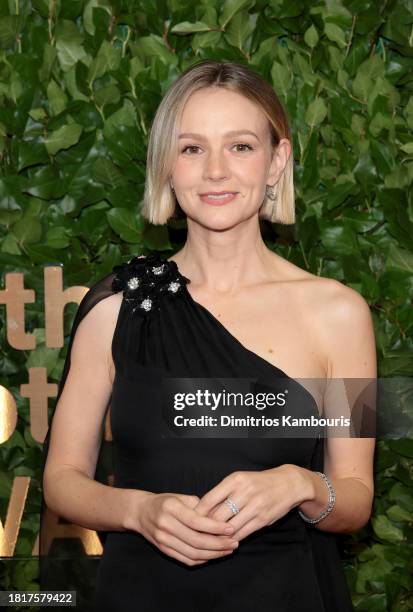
271 193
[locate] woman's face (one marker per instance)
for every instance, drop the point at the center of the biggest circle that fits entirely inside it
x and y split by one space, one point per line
212 159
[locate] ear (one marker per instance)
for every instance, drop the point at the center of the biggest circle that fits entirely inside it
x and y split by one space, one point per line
279 160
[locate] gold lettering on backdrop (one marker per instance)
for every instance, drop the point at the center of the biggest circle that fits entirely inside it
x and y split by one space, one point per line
37 390
10 531
14 296
55 529
8 415
55 300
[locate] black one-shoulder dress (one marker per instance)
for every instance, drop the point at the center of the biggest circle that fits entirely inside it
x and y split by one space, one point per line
165 340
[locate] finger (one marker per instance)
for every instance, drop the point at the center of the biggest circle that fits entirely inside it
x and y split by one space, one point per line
167 539
173 553
247 528
223 512
242 519
176 555
202 541
192 519
189 500
214 497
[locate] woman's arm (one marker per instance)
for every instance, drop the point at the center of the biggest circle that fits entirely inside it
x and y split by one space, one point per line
267 495
90 504
347 330
77 428
167 520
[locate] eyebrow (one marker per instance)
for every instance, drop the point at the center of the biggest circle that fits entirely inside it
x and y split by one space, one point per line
231 133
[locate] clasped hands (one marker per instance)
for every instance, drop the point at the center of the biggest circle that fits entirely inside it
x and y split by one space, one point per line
195 530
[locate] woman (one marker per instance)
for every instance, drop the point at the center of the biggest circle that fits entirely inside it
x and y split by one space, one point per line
227 521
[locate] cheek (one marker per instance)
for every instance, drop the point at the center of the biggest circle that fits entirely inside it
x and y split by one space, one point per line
254 173
185 175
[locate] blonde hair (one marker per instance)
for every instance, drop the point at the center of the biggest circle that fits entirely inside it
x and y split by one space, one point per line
160 203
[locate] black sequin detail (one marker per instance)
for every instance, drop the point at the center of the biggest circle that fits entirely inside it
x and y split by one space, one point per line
146 280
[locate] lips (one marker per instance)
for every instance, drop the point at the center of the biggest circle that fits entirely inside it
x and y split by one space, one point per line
217 198
217 193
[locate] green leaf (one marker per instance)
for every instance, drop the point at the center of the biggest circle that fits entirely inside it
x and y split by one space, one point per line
339 239
27 230
107 95
367 73
399 259
92 226
311 37
123 118
10 245
43 357
282 78
385 530
126 224
365 171
206 39
9 30
57 98
45 183
58 238
88 16
373 602
107 59
402 495
69 52
239 29
335 34
104 171
316 112
155 46
407 148
37 114
230 8
63 138
397 514
185 27
32 153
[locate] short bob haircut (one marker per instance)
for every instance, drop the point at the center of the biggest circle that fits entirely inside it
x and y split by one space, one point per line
159 203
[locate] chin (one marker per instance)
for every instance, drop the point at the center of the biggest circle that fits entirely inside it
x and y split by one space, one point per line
222 223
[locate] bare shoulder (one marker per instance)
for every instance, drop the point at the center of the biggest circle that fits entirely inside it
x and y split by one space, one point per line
345 328
329 296
98 327
340 304
104 314
330 299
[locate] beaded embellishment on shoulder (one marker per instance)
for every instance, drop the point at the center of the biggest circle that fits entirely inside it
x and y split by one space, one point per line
145 280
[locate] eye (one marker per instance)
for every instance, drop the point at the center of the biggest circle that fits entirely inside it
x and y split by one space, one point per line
189 147
244 144
241 144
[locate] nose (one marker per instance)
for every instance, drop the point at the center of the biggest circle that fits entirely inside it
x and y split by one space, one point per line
216 167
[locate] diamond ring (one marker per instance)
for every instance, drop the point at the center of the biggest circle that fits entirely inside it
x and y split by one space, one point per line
230 502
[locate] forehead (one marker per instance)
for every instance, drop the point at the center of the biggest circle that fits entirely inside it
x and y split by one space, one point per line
214 107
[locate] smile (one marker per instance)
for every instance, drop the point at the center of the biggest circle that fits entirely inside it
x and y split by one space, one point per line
223 198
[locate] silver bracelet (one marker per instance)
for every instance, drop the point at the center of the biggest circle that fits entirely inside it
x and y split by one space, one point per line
330 505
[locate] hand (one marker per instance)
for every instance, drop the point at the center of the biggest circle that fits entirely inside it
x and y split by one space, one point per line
262 498
169 521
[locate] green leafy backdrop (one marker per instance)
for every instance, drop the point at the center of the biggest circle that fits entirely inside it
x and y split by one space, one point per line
79 84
